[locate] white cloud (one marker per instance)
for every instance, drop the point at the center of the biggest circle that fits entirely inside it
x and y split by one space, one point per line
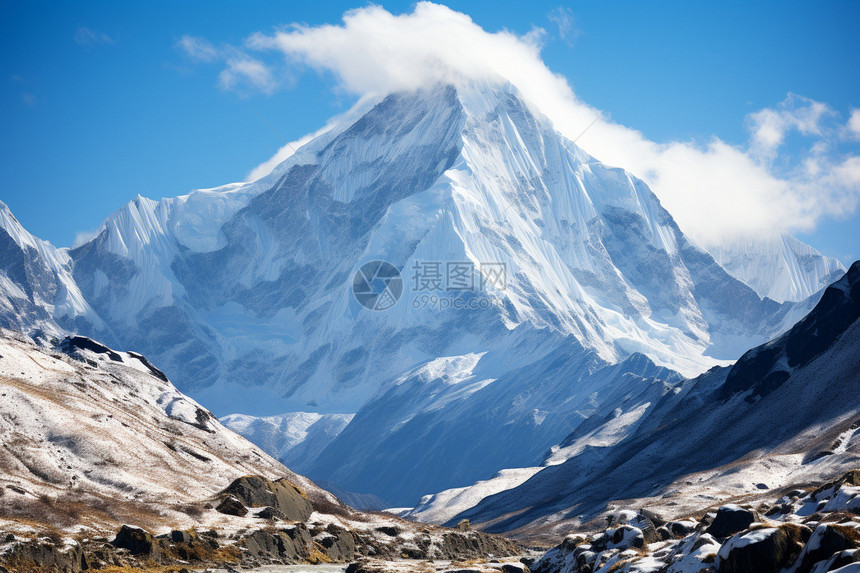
198 49
563 18
86 37
854 124
713 190
243 72
770 126
84 237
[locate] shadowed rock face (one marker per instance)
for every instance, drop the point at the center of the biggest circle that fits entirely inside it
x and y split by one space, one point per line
712 421
760 371
257 491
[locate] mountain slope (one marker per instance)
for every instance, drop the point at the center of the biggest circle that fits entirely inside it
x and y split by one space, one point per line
244 294
780 268
106 433
785 412
37 290
451 175
289 438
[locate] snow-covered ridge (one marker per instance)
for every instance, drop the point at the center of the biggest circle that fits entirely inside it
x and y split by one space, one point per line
786 412
37 290
290 438
778 267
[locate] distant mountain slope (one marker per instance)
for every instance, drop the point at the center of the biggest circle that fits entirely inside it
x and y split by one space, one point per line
781 267
787 410
37 290
290 438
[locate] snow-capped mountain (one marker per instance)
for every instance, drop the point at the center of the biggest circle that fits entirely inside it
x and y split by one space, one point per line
567 274
778 267
290 438
37 291
786 412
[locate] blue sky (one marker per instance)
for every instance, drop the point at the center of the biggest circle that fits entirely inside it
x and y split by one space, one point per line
99 104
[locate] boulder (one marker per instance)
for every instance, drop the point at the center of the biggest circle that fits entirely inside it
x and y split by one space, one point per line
464 525
681 528
271 513
291 543
178 536
825 541
257 491
232 506
731 519
766 550
138 542
338 545
626 537
46 557
663 534
849 478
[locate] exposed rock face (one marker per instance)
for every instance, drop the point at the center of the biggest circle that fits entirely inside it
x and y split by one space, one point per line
46 557
282 495
765 550
292 543
337 543
137 541
828 540
232 506
731 519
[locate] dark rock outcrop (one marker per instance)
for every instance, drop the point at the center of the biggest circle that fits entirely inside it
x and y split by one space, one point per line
138 542
232 506
289 544
257 491
765 550
46 557
731 519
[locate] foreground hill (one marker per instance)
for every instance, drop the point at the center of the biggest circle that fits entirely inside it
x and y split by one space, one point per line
103 463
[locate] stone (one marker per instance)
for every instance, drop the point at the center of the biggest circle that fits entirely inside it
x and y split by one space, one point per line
766 550
731 519
271 513
177 536
826 540
464 525
338 546
46 557
138 542
232 506
283 495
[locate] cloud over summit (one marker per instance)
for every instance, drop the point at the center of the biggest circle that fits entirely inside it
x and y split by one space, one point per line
714 190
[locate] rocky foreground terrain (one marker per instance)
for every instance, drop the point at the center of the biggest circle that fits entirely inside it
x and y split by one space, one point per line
104 465
813 529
